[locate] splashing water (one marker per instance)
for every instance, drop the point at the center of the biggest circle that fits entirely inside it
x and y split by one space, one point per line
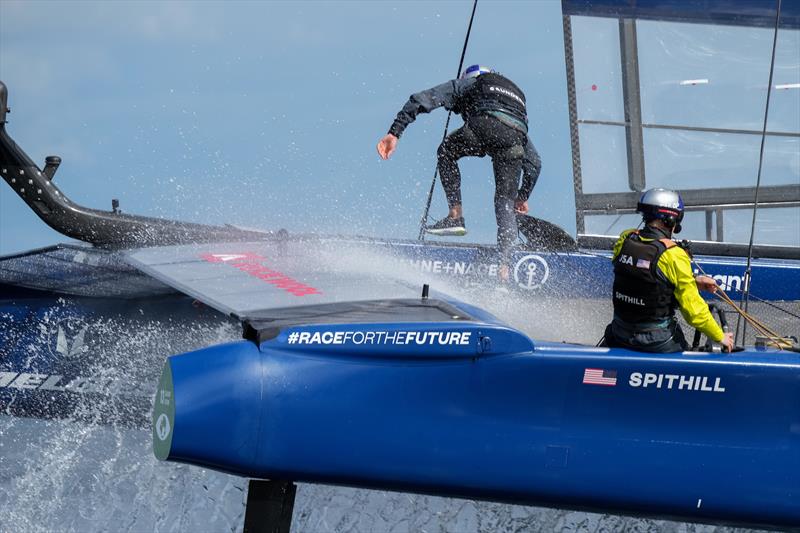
92 468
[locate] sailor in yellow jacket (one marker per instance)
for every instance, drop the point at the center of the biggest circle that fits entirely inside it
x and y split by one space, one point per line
652 278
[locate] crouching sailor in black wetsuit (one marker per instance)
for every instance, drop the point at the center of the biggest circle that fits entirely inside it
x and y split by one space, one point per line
652 277
495 124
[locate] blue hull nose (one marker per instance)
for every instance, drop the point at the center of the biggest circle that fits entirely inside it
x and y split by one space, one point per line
207 407
478 411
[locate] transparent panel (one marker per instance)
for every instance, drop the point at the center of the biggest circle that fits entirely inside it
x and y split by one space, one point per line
784 103
604 163
697 159
694 225
598 80
693 76
781 161
773 226
611 224
703 75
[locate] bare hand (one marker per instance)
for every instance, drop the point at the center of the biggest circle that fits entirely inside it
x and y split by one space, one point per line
503 273
727 342
387 145
521 207
706 283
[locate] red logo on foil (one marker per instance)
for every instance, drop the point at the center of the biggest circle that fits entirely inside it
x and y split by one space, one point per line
253 264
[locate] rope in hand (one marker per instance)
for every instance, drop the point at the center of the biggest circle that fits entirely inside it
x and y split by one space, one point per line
773 338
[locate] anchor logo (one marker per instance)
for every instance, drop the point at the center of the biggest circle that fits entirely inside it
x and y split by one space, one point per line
531 272
162 427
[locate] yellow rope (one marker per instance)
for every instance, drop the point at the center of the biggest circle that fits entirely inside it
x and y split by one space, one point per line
773 338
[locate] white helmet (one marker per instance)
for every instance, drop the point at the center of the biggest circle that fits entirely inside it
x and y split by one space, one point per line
473 71
662 204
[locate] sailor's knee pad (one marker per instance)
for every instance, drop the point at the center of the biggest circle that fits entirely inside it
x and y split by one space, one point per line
513 153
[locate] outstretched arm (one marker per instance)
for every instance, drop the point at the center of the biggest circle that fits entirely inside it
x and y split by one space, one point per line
444 95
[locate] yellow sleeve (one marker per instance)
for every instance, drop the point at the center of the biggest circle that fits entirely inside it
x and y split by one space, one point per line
677 268
620 241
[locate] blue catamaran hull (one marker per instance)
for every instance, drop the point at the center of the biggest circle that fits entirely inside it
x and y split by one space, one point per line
476 409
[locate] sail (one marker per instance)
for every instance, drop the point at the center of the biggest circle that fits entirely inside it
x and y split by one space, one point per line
78 270
676 97
241 279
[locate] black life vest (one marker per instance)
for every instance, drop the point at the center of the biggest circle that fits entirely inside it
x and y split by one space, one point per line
640 294
492 93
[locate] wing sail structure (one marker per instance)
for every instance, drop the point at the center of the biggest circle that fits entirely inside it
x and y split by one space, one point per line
78 270
245 279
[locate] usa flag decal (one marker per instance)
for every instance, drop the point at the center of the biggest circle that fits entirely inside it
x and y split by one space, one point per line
598 376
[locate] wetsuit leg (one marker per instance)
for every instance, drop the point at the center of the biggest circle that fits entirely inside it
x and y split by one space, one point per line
461 143
506 177
506 147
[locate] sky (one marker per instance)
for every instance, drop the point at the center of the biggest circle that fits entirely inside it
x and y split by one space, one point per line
266 114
